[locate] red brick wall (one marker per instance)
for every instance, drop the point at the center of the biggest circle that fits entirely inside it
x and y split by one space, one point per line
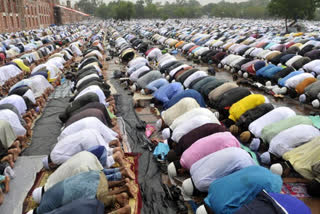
37 13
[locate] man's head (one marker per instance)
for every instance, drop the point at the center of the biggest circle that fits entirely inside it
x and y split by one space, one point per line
188 187
37 194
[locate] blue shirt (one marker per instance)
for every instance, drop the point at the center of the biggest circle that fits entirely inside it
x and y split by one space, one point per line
228 194
187 93
155 85
282 81
165 93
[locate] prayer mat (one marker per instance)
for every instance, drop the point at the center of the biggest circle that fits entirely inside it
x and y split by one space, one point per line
135 202
41 179
297 190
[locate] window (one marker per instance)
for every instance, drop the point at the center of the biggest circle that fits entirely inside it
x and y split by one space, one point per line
1 6
5 22
12 23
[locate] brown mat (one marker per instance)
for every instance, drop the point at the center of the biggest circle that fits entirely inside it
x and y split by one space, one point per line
135 202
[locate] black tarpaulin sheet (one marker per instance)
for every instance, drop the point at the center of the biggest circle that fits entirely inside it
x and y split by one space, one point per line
47 128
152 193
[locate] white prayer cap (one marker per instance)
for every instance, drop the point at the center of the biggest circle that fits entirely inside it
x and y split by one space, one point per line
315 103
187 187
302 98
133 88
265 158
8 171
283 90
255 144
217 114
37 195
159 124
166 133
266 99
201 210
45 162
172 172
268 83
276 169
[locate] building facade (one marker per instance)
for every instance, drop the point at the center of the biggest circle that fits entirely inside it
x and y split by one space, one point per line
18 15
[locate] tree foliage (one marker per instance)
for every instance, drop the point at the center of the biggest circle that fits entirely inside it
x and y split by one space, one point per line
293 9
122 9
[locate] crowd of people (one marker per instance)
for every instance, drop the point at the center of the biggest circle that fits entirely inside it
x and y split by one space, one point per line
90 168
31 66
234 144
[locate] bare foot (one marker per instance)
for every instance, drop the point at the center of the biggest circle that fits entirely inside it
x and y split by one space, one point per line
115 143
9 159
6 184
123 210
1 197
15 152
16 143
122 199
128 173
130 190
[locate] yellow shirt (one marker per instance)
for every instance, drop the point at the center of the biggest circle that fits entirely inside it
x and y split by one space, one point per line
245 104
21 65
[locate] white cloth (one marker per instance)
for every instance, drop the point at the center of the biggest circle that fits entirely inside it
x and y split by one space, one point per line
193 114
178 109
94 89
30 95
174 71
293 60
81 162
218 165
194 76
95 53
136 61
17 101
135 75
86 78
154 54
14 121
185 128
295 80
135 67
89 123
78 142
273 116
292 138
7 72
309 66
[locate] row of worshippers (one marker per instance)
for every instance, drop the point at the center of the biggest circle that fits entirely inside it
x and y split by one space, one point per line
275 130
41 47
35 44
287 65
90 170
24 102
198 140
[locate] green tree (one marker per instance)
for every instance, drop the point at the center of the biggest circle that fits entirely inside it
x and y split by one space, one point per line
124 10
88 6
293 9
140 9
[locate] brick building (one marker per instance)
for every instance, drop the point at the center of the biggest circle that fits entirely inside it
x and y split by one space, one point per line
18 15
